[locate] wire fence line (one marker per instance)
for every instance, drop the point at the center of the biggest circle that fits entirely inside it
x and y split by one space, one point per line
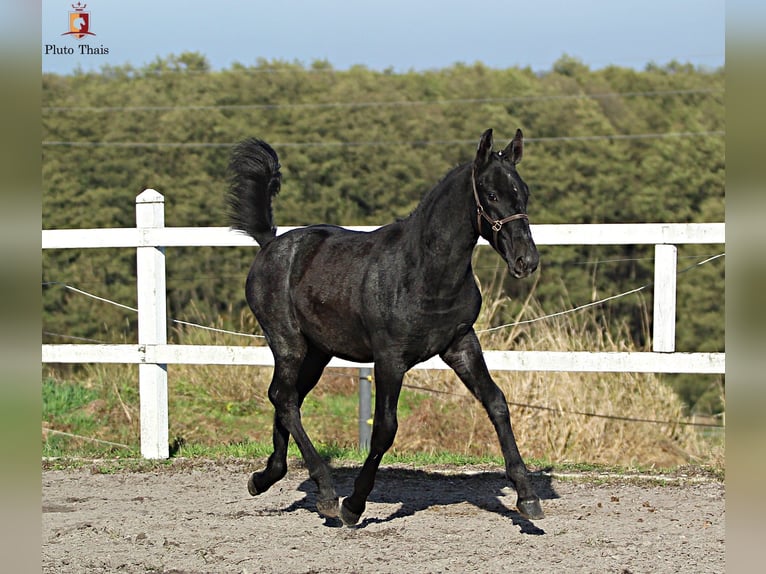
129 308
561 411
90 439
381 143
558 411
490 329
599 302
495 267
75 338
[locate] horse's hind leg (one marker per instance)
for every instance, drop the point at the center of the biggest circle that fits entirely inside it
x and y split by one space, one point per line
288 389
311 369
276 468
466 359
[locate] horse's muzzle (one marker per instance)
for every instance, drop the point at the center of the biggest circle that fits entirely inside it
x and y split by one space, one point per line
524 265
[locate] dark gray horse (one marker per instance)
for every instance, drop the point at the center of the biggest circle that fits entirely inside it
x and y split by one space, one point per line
396 296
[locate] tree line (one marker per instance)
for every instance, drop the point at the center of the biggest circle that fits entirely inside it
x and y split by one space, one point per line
361 147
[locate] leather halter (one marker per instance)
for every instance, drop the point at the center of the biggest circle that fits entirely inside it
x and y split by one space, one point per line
497 224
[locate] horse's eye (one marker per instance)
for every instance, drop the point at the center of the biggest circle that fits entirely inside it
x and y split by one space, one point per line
491 196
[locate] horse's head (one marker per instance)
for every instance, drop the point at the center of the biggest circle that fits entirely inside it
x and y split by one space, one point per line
501 203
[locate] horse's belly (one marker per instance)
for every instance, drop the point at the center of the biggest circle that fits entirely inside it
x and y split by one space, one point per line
337 331
352 346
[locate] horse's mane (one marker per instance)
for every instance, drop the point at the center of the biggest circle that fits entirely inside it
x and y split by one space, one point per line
437 189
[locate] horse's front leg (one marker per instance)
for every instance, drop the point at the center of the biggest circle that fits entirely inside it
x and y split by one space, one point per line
465 357
388 384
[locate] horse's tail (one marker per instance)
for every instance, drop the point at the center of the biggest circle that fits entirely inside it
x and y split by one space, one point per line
255 180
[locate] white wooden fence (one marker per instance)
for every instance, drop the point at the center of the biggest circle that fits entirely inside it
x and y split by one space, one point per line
153 354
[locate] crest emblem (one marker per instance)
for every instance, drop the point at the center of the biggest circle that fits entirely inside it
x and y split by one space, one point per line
79 22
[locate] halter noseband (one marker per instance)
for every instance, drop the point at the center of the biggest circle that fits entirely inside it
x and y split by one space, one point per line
497 224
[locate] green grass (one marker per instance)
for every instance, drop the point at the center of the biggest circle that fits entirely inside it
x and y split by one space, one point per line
254 455
63 400
75 414
331 453
64 408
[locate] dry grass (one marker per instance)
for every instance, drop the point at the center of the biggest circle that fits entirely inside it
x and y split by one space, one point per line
215 405
550 428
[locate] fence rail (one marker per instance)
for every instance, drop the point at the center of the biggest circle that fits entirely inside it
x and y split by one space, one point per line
152 353
581 361
544 234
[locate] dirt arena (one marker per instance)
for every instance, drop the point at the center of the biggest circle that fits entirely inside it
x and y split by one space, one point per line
198 517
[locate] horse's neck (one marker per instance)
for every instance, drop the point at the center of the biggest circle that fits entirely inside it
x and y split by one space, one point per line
443 231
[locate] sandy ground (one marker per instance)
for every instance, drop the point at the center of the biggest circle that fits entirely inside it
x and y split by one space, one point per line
199 518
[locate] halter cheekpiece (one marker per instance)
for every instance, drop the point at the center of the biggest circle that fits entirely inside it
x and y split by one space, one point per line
496 224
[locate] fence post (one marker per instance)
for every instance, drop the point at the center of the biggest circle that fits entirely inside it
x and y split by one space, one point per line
664 317
152 328
365 408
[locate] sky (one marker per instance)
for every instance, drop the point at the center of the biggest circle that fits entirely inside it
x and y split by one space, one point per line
400 35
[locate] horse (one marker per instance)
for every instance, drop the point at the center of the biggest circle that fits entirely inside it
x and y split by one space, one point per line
395 296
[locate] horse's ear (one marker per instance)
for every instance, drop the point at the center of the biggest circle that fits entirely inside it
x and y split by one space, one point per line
515 148
484 149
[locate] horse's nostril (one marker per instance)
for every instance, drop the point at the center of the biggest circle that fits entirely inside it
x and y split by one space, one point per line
526 264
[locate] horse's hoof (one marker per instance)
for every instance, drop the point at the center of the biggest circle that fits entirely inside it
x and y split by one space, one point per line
253 487
530 508
328 508
348 517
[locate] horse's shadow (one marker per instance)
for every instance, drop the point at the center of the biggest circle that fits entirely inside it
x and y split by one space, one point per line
417 490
